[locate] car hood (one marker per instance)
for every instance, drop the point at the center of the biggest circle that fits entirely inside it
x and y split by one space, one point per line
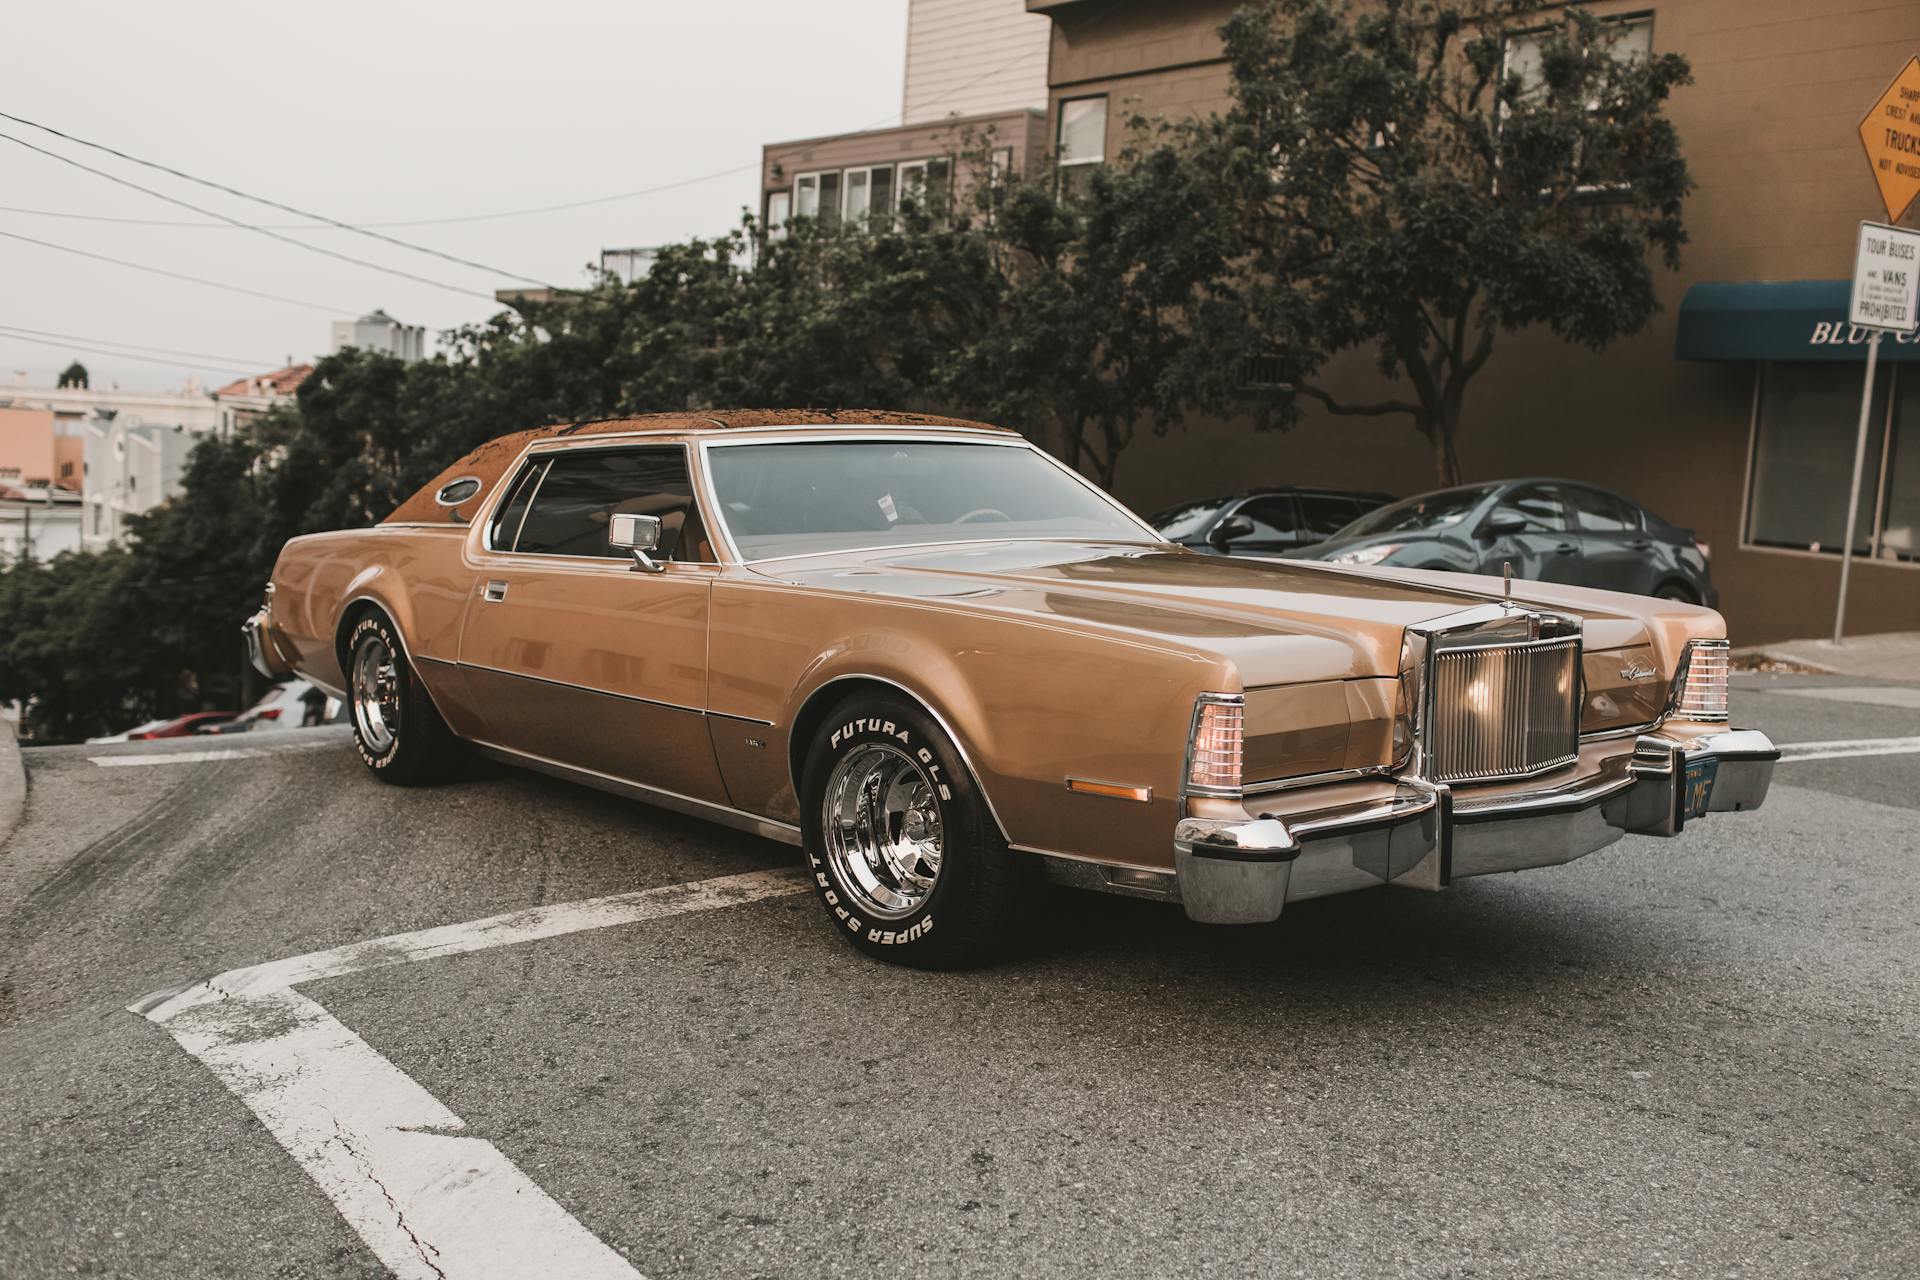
1277 622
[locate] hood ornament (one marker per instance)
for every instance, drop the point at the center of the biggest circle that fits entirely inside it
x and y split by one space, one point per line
1506 574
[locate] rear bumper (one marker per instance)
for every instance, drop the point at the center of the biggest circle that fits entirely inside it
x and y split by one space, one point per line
1234 870
261 651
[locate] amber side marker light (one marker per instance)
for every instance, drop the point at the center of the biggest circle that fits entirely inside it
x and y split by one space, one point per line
1112 790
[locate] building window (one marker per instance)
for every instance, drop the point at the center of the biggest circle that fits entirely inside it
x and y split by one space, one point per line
1805 420
817 195
1081 141
925 184
869 195
1626 39
779 209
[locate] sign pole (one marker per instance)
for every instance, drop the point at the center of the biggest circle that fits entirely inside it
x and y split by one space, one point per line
1853 492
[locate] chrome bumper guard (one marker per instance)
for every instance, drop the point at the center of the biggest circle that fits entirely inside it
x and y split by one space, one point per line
1426 835
258 653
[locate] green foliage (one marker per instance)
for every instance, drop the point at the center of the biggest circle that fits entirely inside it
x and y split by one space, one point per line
1383 180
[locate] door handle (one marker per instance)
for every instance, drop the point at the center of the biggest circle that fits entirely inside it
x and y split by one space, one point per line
1641 544
495 592
1563 549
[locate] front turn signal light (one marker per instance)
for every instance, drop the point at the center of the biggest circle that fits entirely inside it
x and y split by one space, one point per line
1700 686
1215 750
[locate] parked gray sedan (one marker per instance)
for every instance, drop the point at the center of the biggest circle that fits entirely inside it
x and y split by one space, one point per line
1548 530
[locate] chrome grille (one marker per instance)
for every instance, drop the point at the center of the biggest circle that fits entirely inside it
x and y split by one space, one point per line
1504 710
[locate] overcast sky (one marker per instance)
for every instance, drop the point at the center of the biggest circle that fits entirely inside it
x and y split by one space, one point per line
377 112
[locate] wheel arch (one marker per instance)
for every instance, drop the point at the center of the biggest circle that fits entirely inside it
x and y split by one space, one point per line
824 697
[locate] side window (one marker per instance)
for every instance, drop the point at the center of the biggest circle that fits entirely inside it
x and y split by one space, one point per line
1538 505
1597 512
1322 515
582 490
507 520
1274 521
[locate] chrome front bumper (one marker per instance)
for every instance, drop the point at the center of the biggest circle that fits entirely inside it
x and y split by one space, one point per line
1234 870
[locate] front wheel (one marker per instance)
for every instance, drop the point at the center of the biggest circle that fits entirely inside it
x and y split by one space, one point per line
396 728
905 856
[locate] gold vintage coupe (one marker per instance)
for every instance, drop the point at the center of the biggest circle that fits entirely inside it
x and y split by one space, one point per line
945 666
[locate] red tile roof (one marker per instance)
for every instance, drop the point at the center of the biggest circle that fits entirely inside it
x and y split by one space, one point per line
281 382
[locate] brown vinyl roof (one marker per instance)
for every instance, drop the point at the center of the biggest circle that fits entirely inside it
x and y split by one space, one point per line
488 462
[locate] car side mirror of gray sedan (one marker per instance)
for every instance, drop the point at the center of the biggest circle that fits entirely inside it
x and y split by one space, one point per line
1229 529
637 534
1500 526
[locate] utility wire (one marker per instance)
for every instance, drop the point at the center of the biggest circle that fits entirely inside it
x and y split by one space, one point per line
272 204
162 271
247 226
128 355
17 330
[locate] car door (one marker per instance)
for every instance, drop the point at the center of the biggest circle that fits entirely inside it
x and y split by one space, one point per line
1542 548
572 653
1614 547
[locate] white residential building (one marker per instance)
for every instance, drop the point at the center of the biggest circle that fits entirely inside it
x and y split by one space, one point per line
241 401
38 521
378 331
191 407
131 467
973 58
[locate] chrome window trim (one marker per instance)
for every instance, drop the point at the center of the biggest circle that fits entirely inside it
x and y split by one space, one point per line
504 495
968 436
542 452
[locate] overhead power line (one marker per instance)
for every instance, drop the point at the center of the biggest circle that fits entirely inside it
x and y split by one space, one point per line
14 330
176 275
271 204
248 226
217 366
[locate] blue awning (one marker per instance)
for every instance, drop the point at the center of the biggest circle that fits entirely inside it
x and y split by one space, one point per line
1778 320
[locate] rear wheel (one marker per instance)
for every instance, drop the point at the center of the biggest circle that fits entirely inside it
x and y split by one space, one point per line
396 728
1676 591
905 856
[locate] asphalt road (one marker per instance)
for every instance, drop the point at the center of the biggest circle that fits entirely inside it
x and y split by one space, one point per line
1690 1058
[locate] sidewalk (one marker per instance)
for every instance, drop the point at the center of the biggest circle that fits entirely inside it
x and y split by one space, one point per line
1894 655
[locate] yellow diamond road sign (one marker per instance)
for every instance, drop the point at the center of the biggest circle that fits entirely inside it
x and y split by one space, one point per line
1891 134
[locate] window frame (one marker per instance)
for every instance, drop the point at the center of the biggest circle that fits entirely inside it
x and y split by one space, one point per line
1292 503
544 458
1882 490
1061 164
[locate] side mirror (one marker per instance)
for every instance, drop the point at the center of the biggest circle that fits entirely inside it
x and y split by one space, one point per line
1229 529
639 535
1501 526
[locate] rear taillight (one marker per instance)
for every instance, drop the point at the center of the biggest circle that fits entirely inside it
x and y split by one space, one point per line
1215 748
1706 552
271 713
1700 686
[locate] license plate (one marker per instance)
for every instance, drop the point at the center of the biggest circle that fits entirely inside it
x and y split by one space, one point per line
1697 793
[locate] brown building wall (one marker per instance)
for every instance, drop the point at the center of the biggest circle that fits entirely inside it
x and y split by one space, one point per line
28 450
1769 133
1024 131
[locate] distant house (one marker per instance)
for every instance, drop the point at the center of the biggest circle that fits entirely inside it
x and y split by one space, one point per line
378 331
38 520
242 401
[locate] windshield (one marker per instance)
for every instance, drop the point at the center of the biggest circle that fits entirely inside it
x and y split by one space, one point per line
1428 511
803 498
1189 521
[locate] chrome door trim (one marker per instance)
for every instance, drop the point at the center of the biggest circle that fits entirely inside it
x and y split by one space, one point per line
725 815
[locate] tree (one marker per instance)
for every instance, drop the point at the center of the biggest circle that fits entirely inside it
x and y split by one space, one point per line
74 375
1392 181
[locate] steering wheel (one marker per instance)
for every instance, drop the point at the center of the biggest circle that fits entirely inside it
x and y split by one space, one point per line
982 513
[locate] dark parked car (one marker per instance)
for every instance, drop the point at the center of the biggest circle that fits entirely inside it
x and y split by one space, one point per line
1548 530
1265 521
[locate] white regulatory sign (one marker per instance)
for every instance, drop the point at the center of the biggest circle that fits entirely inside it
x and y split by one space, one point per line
1886 278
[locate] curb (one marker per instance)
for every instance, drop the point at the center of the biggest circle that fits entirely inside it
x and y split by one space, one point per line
13 782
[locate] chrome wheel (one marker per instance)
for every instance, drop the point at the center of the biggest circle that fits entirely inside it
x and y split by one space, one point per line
376 694
882 830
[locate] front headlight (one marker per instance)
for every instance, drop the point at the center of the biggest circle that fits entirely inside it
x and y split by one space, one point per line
1367 555
1699 690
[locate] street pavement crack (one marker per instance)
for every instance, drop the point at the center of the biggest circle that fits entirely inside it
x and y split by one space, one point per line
426 1251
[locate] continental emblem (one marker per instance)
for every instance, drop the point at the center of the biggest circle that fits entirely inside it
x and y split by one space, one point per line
1634 671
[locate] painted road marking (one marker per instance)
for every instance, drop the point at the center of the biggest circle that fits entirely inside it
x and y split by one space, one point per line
211 753
1873 695
431 1205
1792 751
